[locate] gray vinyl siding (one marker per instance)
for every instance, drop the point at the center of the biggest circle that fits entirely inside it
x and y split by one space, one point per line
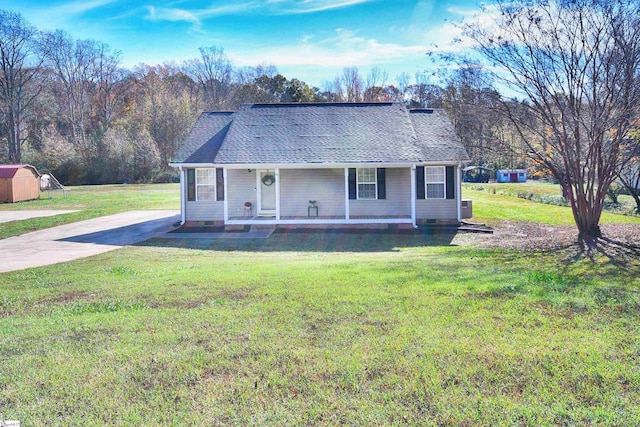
204 210
241 188
436 209
207 210
398 201
325 186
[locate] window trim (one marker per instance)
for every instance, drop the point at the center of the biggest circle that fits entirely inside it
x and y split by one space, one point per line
443 182
214 185
374 182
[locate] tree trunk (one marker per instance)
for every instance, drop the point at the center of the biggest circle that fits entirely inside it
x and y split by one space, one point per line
589 231
585 214
637 199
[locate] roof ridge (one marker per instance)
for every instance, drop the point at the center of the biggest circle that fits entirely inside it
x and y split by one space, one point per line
321 104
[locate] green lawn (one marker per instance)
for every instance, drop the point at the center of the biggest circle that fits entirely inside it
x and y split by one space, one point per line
538 191
493 208
326 329
92 201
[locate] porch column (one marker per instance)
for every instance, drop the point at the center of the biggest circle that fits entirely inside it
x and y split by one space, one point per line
413 195
183 196
225 179
459 188
346 193
277 173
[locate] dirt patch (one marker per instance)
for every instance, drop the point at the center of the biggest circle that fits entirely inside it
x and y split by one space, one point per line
530 236
66 297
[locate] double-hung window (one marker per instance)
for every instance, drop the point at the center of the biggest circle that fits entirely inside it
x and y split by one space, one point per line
435 182
367 184
205 184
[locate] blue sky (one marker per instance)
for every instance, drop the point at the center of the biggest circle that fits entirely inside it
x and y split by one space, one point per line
311 40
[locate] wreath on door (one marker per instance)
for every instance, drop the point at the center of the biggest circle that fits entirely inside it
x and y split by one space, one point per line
268 180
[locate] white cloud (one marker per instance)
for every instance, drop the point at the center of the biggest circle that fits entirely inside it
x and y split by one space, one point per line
196 15
80 6
170 14
341 49
311 6
266 7
45 17
448 36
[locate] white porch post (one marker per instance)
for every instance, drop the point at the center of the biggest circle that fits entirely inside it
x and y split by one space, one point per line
277 172
459 191
226 194
413 195
346 193
183 196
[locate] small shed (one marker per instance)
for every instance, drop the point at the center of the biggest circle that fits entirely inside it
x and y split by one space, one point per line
511 175
19 183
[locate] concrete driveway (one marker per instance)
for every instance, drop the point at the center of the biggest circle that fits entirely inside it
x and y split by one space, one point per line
82 239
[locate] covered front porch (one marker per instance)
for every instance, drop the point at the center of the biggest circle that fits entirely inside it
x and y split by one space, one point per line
284 196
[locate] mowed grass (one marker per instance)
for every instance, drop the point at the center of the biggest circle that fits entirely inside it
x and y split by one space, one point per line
323 329
493 208
91 201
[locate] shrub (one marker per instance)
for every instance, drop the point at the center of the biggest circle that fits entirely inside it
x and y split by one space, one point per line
166 176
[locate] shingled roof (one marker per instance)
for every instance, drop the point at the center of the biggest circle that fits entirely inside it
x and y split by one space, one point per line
322 133
9 171
204 140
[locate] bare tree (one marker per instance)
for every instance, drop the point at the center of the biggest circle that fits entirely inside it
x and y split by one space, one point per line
109 77
163 106
376 81
423 93
403 80
213 71
85 70
20 63
575 65
351 84
470 104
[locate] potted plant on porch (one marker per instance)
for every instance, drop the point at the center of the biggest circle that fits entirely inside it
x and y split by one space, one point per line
313 206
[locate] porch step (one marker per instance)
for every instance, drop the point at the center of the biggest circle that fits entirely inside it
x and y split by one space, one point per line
464 226
232 227
472 227
263 226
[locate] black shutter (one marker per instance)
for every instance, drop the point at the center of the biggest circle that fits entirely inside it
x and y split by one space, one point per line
191 185
420 182
219 184
382 185
451 183
352 183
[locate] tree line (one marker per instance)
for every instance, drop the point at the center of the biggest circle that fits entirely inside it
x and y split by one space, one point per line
68 106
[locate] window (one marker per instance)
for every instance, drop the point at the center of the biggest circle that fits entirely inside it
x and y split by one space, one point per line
367 184
435 182
205 184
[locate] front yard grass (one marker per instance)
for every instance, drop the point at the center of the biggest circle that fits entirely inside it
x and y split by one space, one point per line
493 208
390 330
324 329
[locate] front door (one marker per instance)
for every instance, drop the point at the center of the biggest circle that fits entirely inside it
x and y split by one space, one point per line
266 192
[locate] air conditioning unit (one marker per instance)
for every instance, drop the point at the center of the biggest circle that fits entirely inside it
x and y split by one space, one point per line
466 209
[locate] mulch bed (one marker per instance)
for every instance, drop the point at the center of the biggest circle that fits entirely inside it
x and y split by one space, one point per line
529 236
